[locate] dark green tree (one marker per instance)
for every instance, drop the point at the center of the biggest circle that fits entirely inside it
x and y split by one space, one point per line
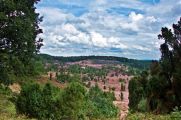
136 92
73 102
41 103
19 27
165 80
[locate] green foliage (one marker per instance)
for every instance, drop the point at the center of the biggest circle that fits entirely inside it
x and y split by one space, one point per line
176 114
136 93
6 106
73 102
142 105
102 103
139 64
147 116
133 71
76 69
65 77
38 67
161 86
165 74
38 102
4 90
18 30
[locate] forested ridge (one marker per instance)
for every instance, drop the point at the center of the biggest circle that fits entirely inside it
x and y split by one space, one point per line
141 64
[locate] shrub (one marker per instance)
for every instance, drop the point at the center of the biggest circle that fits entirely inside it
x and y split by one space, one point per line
176 114
4 90
147 116
49 102
73 102
102 103
38 102
68 78
135 93
142 105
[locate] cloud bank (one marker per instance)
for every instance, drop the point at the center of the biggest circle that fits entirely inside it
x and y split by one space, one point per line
106 27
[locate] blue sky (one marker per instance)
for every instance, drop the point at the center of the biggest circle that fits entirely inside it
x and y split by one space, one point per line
126 28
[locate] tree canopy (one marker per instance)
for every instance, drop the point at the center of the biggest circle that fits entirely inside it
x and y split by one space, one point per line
19 27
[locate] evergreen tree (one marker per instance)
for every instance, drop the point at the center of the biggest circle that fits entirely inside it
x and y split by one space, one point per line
165 80
19 27
73 102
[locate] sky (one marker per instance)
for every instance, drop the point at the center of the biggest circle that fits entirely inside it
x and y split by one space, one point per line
124 28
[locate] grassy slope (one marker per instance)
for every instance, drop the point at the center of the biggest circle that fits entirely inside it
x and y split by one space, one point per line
149 116
8 110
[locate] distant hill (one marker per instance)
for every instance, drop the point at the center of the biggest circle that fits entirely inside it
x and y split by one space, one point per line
140 64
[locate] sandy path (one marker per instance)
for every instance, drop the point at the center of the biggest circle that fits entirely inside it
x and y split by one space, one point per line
123 105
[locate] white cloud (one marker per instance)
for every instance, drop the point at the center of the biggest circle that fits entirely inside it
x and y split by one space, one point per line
98 40
141 48
132 34
151 19
135 17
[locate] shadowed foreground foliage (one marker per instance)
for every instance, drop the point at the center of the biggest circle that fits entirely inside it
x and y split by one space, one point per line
159 87
72 103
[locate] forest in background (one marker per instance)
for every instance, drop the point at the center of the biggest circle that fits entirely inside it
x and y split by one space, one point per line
140 64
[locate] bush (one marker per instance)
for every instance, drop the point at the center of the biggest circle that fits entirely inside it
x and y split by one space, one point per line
176 114
142 105
68 78
102 103
73 102
38 102
136 93
147 116
49 102
4 90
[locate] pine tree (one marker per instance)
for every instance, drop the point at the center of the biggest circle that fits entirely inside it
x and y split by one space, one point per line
165 80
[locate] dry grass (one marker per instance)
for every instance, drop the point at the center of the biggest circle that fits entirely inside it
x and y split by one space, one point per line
148 116
8 110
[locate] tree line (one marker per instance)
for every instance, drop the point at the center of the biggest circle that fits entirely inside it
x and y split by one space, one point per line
140 64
